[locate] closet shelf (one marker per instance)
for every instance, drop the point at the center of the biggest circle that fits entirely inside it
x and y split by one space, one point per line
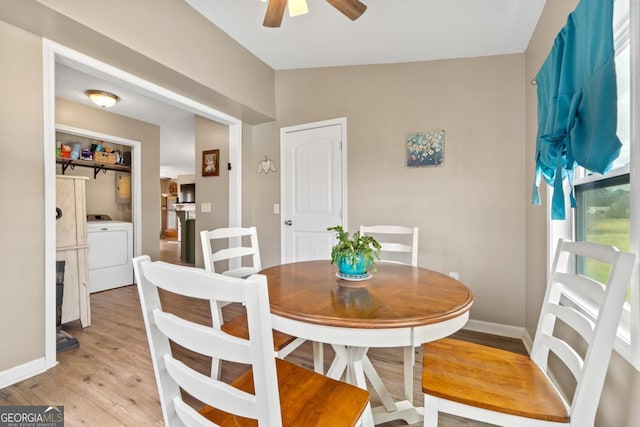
97 167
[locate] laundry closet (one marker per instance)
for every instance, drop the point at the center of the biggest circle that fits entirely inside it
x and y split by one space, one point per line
106 171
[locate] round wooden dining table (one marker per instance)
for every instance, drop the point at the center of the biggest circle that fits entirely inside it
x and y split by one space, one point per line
399 306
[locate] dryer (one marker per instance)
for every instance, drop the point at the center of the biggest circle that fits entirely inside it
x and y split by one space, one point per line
110 254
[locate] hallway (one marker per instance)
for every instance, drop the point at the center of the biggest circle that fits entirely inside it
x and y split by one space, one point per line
170 252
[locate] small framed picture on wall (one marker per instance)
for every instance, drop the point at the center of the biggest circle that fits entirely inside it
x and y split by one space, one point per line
211 163
425 149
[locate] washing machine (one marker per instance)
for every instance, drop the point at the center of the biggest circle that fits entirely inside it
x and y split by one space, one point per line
110 254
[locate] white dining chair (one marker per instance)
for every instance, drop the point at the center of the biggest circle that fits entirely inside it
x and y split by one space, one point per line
507 389
237 243
399 244
270 392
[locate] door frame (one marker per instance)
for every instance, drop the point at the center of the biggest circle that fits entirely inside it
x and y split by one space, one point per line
283 141
51 52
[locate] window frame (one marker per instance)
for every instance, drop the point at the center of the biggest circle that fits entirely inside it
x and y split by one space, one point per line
627 344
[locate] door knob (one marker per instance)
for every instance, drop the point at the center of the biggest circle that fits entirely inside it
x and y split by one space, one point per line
288 222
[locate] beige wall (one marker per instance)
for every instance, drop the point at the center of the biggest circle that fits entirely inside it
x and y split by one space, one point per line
210 135
622 386
165 30
471 211
163 41
264 190
93 119
21 216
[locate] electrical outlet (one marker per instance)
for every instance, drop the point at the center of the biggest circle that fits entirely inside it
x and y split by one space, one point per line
454 274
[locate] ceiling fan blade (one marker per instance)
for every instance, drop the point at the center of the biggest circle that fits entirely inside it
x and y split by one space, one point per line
275 12
352 9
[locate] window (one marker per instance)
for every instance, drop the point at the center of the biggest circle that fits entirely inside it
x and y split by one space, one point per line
605 202
603 216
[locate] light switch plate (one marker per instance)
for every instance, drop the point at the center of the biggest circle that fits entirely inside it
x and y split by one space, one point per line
276 209
205 207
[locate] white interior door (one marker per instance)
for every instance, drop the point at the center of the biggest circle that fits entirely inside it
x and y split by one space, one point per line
313 188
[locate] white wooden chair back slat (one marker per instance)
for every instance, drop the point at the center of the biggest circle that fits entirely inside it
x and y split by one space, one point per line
395 247
189 416
196 283
229 232
193 282
569 357
234 251
581 285
225 254
215 393
603 253
202 339
241 272
388 236
572 317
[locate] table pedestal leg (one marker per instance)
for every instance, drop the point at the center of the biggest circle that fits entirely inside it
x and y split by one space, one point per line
353 363
349 359
406 411
378 385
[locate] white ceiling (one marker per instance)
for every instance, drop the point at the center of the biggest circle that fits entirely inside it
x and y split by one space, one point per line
389 31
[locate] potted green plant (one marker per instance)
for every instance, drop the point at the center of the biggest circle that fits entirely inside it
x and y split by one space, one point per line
354 256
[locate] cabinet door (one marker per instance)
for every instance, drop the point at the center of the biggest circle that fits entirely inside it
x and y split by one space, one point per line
66 225
71 229
123 187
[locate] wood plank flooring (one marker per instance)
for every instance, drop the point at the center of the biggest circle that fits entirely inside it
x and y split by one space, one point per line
109 380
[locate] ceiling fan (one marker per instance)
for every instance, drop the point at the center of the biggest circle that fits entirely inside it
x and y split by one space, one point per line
352 9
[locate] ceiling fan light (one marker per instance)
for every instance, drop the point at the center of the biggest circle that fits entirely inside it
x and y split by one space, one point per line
297 7
101 98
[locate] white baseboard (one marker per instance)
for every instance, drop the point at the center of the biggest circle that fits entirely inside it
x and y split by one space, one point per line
495 329
527 341
22 372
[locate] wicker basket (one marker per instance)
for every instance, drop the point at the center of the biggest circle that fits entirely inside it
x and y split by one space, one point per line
102 157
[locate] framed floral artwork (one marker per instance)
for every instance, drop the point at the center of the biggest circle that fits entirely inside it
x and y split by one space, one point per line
425 148
211 163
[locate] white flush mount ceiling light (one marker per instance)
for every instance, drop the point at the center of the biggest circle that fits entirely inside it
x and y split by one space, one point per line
101 98
297 7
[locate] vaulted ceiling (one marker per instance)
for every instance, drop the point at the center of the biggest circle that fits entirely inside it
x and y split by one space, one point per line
389 31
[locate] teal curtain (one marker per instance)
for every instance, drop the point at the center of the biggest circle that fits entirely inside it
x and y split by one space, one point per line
577 102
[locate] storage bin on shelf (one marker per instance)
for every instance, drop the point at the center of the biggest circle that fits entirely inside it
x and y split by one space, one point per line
102 157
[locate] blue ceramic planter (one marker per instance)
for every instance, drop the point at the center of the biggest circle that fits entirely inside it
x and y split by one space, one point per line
360 267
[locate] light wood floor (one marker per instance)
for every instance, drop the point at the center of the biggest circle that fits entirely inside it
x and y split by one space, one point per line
109 380
170 252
